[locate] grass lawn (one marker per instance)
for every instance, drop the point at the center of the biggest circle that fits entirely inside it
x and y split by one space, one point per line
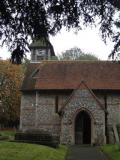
7 133
112 151
24 151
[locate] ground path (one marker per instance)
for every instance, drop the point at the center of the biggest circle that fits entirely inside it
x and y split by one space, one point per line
85 153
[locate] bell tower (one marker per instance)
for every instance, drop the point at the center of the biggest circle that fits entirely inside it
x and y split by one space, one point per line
41 49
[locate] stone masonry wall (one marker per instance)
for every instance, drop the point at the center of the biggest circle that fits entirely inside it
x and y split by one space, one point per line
42 116
113 108
113 115
47 119
62 100
83 100
38 112
27 115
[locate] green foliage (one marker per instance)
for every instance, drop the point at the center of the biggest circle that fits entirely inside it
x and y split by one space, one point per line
22 151
112 151
10 81
76 54
18 23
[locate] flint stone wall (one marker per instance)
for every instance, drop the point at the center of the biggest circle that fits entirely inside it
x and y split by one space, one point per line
38 112
27 114
42 116
83 100
113 108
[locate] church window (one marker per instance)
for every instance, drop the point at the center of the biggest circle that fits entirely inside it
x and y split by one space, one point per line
56 104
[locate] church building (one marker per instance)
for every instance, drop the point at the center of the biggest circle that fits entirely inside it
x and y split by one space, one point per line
79 101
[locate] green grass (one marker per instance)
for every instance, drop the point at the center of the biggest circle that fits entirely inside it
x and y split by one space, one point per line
7 133
24 151
112 151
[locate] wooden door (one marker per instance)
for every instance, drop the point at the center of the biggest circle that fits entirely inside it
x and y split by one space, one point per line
83 128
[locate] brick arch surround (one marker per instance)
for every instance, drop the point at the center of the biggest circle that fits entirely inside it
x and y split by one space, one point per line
83 100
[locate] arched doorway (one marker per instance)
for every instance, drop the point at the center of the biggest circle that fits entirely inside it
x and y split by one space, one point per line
83 128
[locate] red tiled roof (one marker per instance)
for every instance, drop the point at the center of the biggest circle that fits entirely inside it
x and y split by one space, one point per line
68 75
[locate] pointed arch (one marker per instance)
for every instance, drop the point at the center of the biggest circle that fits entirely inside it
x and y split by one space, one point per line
82 127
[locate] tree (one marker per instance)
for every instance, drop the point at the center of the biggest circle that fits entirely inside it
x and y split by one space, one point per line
25 64
22 19
76 54
11 76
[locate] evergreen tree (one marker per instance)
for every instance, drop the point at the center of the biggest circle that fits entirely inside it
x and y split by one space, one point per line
21 19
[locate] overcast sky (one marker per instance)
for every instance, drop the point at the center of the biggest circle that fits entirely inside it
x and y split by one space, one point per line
88 40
